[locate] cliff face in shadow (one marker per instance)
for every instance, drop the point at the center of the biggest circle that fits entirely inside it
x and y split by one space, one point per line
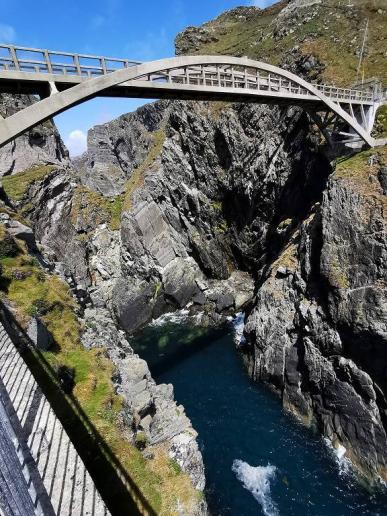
317 331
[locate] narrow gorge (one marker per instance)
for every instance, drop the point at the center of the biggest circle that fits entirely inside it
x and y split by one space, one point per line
201 212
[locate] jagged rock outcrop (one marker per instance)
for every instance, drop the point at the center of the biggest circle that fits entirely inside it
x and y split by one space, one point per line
151 415
317 331
117 148
41 145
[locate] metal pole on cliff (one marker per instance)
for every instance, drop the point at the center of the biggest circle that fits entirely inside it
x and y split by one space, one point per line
362 50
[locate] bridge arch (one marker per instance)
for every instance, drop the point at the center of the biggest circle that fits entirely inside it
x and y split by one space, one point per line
176 78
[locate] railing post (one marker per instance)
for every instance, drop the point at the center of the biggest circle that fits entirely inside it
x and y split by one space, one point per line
102 63
77 64
204 75
48 61
15 60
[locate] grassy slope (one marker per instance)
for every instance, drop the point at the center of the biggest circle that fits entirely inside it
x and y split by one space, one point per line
333 36
31 291
16 186
95 209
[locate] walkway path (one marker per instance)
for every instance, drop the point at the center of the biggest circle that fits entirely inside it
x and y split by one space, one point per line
50 477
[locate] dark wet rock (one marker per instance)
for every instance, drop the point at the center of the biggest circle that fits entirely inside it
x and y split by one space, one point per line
382 176
132 302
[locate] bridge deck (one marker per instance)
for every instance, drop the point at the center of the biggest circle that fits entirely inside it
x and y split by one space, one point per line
63 80
62 485
29 66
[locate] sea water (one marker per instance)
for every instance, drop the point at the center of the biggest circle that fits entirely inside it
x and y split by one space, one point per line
258 459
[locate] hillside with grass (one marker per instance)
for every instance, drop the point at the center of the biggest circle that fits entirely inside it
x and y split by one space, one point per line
31 291
330 32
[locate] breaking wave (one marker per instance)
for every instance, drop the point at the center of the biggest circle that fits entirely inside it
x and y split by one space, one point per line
172 317
257 481
239 325
339 453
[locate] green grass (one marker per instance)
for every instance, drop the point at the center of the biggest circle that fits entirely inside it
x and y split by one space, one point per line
94 390
358 166
380 127
95 209
256 38
337 275
17 185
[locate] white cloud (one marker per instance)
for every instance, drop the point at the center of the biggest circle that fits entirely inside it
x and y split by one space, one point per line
76 142
7 33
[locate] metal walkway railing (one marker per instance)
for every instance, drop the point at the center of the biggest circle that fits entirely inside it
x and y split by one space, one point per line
38 61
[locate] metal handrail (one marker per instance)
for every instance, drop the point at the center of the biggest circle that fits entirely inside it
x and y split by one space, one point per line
213 75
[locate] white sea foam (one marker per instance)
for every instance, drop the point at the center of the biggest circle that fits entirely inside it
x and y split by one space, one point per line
239 325
339 453
257 481
173 317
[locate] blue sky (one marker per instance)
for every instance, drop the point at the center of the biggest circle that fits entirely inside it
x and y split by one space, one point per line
137 30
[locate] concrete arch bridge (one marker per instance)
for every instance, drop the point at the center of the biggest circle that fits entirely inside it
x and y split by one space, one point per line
63 80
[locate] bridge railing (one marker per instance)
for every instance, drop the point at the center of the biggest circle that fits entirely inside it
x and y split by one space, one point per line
37 60
339 93
15 58
248 78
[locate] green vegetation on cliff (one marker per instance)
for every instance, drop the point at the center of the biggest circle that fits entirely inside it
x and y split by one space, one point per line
94 209
16 186
31 291
138 174
330 31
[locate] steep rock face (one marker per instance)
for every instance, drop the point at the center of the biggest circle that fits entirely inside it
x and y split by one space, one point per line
208 203
209 193
317 331
152 417
115 149
41 145
85 252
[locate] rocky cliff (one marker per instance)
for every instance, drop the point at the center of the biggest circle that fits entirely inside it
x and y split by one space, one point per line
41 145
76 242
221 208
317 331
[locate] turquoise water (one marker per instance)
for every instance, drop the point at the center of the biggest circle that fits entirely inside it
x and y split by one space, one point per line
286 469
